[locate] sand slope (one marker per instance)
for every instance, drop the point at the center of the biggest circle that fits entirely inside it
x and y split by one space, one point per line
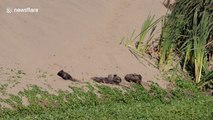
79 36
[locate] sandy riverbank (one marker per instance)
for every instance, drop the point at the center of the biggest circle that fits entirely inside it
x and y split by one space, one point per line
80 36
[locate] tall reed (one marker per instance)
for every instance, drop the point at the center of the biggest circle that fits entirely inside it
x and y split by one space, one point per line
186 33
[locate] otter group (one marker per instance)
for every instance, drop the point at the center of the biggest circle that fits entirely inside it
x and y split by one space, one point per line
110 79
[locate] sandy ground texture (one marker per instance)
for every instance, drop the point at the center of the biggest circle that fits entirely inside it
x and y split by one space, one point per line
79 36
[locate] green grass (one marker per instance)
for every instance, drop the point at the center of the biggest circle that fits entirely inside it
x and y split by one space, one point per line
182 102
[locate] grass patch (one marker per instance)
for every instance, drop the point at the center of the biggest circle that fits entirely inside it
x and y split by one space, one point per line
102 102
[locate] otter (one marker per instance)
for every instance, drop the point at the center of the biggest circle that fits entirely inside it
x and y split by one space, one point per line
110 79
136 78
65 75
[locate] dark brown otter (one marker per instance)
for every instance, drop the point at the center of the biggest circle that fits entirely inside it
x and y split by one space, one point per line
136 78
65 75
111 79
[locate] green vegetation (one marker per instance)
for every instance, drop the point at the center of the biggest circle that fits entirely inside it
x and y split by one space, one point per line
140 46
101 102
187 33
144 42
186 47
186 41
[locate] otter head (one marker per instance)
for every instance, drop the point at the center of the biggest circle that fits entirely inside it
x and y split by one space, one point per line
116 79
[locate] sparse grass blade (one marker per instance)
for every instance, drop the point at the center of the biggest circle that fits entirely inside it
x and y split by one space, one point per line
140 47
187 54
145 30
